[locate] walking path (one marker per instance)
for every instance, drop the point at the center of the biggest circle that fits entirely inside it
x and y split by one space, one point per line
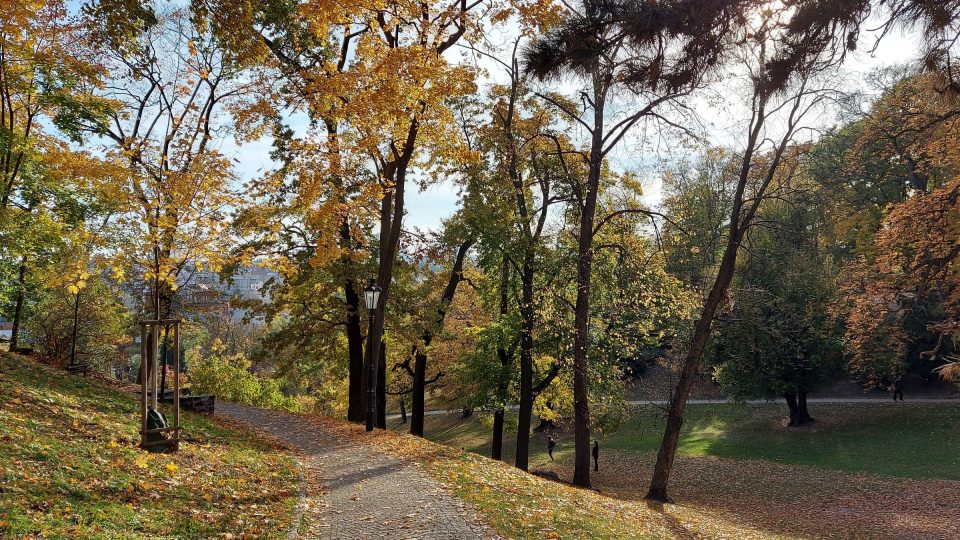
663 402
353 491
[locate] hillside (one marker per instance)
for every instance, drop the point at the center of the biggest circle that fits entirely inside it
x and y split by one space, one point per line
70 467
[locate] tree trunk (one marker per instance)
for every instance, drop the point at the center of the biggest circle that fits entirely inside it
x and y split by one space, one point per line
73 337
403 410
391 222
802 403
526 361
496 447
420 354
739 220
382 387
521 460
581 323
163 363
418 394
671 435
18 309
363 384
795 416
355 409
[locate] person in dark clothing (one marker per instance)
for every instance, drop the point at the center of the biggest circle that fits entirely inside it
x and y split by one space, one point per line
898 388
596 455
551 444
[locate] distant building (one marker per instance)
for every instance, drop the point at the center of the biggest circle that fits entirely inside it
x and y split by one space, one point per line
202 291
205 291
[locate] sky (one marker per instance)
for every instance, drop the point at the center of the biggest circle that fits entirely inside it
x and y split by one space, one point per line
427 209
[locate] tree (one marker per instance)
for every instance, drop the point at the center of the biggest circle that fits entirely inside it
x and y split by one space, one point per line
656 53
48 70
382 97
765 158
899 148
82 325
525 175
172 80
697 199
778 338
904 304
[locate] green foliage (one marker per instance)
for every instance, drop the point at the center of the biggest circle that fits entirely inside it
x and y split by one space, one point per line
698 196
777 336
102 325
230 378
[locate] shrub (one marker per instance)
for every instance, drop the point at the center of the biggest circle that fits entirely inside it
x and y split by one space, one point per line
230 378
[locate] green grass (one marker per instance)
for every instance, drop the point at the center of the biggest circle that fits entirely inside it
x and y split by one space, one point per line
523 506
912 440
70 468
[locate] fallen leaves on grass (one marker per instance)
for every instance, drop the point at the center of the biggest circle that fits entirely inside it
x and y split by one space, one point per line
69 467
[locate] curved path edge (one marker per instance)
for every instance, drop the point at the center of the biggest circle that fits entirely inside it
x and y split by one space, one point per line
354 491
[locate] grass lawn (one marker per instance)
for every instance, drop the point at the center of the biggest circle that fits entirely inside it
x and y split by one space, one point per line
70 468
862 471
910 440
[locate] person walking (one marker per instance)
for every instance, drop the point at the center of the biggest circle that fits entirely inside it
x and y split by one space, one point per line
596 455
551 444
898 387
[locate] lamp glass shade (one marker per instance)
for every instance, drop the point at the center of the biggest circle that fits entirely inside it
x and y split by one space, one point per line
371 296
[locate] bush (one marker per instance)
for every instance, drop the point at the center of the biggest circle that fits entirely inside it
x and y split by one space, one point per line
230 378
102 324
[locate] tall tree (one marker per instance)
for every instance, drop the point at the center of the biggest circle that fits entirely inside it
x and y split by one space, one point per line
656 53
48 70
173 81
527 176
762 162
381 97
778 339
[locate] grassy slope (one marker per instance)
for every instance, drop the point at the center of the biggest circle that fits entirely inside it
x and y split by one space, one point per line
523 506
740 475
910 440
69 467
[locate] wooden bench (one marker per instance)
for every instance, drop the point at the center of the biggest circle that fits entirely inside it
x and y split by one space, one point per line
78 368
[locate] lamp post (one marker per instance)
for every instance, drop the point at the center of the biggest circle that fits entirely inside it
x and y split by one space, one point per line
371 296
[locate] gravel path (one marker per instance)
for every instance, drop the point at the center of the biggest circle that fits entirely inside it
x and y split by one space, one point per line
353 491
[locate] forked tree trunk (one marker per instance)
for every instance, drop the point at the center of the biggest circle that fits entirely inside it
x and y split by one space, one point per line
420 354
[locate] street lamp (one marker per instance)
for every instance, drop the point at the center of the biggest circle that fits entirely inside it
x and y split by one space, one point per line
371 296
